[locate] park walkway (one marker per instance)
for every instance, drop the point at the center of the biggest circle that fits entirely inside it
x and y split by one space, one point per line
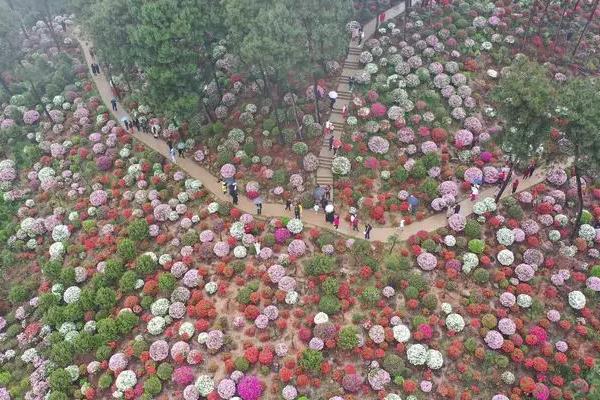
275 210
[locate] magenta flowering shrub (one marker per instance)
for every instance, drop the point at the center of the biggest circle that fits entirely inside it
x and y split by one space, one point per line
249 387
463 138
30 117
104 163
406 135
490 174
448 187
352 383
282 235
228 171
427 261
457 222
98 198
556 176
378 145
378 110
183 376
472 124
473 175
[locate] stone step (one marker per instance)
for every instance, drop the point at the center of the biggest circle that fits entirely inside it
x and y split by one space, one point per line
349 65
355 50
325 182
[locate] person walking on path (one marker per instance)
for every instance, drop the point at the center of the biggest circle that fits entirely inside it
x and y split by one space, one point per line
380 20
288 205
92 54
368 229
401 226
181 148
336 146
336 221
332 98
449 211
456 209
136 123
259 207
328 192
474 192
155 131
172 154
316 208
257 247
501 177
223 186
331 143
361 36
298 211
515 185
113 102
328 128
355 223
530 170
235 198
323 202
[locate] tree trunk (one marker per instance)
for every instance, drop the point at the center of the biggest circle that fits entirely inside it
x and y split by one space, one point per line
575 6
207 111
532 13
504 184
39 99
560 24
219 89
316 93
580 199
12 7
50 25
295 112
543 16
5 86
585 28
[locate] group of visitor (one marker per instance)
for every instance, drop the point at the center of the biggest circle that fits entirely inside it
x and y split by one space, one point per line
231 188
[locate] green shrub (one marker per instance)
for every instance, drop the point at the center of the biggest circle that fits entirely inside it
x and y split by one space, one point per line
126 321
418 320
106 298
300 148
243 295
62 354
58 396
67 276
59 380
52 270
430 188
476 246
164 371
311 360
471 345
166 282
418 171
515 212
430 301
190 238
127 282
595 271
107 330
241 364
472 229
348 339
152 386
145 265
400 175
126 249
411 292
395 262
105 381
481 276
139 346
114 269
330 286
431 160
138 230
329 304
4 378
268 124
280 177
319 264
17 294
370 296
429 245
394 364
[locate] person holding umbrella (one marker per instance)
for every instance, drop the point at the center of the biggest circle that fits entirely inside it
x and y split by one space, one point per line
337 143
368 229
258 203
329 216
332 97
413 203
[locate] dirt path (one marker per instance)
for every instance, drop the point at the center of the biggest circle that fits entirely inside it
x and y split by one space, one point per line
274 210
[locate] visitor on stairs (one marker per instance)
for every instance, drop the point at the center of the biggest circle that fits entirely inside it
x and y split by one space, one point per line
328 192
331 143
332 98
351 82
345 111
368 229
474 192
362 36
328 128
323 202
515 185
181 148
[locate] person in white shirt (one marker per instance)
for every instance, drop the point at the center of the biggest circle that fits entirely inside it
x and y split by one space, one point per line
401 227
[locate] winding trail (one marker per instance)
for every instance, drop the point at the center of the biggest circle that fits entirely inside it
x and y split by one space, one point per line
309 217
